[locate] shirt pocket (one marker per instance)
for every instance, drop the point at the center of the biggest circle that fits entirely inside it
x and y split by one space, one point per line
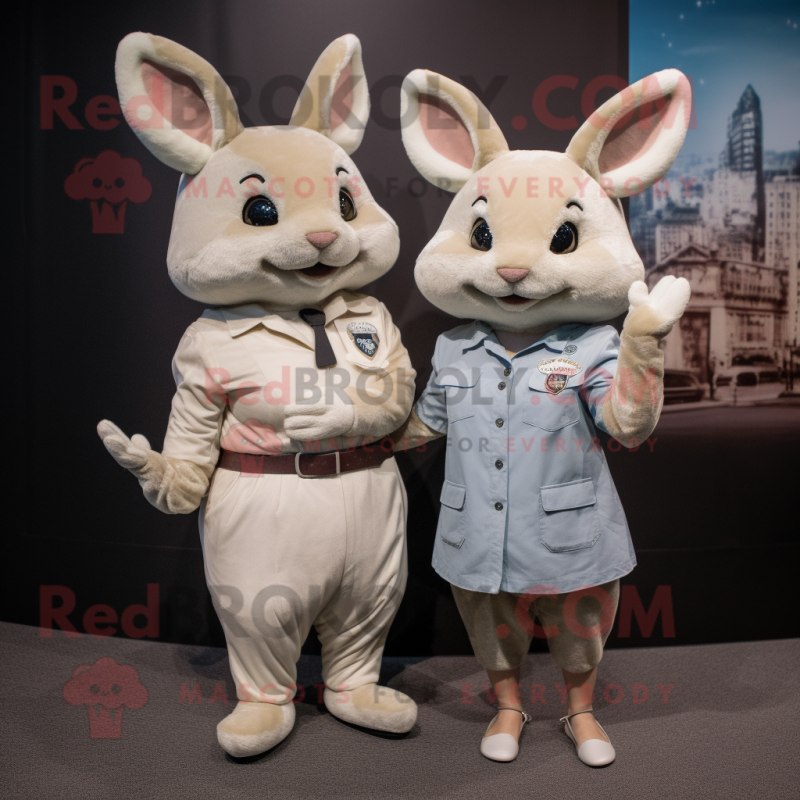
568 516
548 410
451 518
460 383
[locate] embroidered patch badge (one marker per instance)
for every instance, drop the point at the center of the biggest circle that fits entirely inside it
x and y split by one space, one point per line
365 337
570 349
558 371
555 382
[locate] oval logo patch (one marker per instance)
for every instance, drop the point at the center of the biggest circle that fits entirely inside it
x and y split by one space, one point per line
558 371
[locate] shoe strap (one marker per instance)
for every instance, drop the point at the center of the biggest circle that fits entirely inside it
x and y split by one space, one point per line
570 716
588 711
525 717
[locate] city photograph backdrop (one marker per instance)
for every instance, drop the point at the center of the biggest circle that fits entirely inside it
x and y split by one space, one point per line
727 215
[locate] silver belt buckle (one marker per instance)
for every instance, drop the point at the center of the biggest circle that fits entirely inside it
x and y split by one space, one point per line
301 474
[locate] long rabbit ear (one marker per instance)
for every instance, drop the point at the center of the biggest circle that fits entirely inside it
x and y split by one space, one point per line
447 132
335 98
631 141
175 101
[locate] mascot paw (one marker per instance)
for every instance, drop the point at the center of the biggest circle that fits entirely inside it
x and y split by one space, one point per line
254 728
655 313
373 706
309 423
130 453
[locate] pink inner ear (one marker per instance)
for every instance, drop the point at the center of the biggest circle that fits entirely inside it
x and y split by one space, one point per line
637 128
342 102
445 131
179 99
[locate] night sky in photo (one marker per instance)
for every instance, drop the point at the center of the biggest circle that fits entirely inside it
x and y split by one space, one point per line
724 45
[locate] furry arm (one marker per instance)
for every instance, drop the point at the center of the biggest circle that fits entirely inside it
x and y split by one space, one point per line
413 433
637 392
631 411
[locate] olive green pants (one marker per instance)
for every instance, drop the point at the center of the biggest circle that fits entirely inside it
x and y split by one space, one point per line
576 624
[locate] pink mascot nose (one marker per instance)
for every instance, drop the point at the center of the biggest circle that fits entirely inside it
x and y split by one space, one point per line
512 275
321 240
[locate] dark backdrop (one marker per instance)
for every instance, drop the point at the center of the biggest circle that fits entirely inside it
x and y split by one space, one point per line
97 319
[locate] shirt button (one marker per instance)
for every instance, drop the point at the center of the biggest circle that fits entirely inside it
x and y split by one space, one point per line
498 506
506 372
499 423
498 464
501 385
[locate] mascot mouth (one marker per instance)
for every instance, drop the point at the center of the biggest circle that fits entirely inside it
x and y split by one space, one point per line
514 300
318 271
509 302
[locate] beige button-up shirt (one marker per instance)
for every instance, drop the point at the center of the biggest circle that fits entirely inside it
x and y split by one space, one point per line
237 369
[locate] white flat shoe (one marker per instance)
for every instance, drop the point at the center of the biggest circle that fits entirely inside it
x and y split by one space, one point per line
502 746
594 752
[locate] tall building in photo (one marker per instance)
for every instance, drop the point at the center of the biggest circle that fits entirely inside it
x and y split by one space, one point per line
783 245
794 286
679 226
783 220
744 153
745 134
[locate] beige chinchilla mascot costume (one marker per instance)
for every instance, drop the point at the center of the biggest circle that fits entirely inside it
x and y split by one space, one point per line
285 386
534 252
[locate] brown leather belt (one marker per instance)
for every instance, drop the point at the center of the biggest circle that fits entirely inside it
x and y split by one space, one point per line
309 465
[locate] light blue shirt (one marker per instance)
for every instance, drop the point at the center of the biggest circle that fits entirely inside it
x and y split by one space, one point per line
528 503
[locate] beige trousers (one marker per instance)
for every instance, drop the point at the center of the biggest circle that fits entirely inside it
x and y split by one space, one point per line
576 624
283 553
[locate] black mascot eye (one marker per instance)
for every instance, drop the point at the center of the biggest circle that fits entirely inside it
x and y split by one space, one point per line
566 239
347 207
260 211
119 183
97 183
481 238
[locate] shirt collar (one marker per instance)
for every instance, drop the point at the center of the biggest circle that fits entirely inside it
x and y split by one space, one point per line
480 331
241 319
555 340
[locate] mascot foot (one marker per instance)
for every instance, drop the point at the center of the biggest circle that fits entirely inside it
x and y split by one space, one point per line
254 728
373 706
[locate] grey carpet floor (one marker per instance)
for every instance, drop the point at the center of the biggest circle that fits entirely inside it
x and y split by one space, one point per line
728 729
